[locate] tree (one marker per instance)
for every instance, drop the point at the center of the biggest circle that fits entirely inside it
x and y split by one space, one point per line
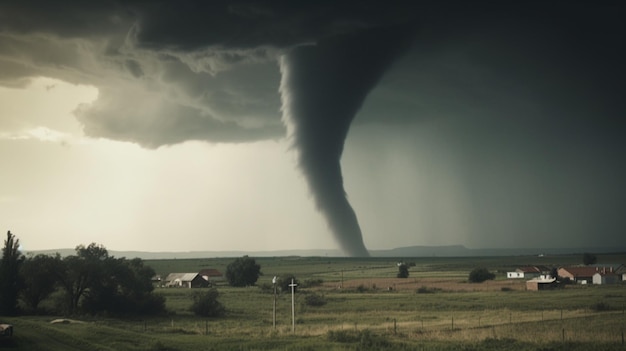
243 271
554 273
479 275
205 304
403 270
124 288
78 273
38 276
589 258
10 282
98 283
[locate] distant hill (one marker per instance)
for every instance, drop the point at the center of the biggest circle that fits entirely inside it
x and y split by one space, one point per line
408 251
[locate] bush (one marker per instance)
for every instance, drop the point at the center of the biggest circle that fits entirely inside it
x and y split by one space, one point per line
479 275
601 306
361 288
314 300
403 270
426 290
205 304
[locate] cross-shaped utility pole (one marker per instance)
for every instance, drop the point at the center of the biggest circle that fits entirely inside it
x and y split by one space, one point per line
293 311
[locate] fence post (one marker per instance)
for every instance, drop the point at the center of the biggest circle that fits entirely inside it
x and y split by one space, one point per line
394 327
452 322
563 334
206 327
478 322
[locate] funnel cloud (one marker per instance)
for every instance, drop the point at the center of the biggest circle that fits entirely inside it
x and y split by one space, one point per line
322 88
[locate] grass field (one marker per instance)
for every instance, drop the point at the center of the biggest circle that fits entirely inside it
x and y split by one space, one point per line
367 309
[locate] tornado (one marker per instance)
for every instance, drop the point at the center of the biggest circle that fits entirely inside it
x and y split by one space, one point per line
323 86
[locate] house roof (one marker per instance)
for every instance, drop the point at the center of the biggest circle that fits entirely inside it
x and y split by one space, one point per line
528 269
585 271
183 277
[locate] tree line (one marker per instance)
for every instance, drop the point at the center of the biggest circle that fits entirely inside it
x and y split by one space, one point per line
89 282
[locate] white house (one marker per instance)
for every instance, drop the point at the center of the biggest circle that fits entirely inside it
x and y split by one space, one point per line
527 272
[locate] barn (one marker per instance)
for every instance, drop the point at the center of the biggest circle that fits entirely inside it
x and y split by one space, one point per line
185 280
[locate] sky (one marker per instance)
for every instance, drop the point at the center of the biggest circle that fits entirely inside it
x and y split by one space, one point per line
276 125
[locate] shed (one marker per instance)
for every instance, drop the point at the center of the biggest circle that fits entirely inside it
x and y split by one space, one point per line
537 284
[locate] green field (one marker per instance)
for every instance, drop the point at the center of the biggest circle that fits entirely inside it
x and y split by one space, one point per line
367 309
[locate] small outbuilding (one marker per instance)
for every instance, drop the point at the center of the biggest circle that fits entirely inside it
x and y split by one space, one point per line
542 283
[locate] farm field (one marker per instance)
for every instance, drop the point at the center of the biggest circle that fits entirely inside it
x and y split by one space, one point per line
366 308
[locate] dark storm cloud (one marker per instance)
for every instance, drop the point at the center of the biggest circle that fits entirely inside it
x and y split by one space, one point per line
186 55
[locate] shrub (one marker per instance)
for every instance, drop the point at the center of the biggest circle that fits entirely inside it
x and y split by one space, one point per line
425 290
403 270
361 288
205 304
601 306
479 275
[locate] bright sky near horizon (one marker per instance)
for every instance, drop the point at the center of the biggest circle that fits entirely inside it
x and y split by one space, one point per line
500 126
62 188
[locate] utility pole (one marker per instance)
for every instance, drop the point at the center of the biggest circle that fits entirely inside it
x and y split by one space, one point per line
274 311
341 285
293 305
